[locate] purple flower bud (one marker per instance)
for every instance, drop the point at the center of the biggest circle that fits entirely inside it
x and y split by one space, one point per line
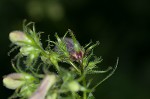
69 45
75 55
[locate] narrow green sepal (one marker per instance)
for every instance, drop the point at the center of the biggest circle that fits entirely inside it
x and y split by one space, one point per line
77 46
91 47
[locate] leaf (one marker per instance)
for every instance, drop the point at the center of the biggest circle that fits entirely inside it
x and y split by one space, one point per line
92 64
99 71
91 47
109 75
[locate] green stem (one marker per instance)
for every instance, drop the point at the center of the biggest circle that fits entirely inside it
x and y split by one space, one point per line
84 80
84 84
75 67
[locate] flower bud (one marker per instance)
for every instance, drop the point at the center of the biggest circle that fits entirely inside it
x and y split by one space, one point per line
11 83
74 49
77 55
42 90
70 45
19 38
74 86
26 50
30 51
16 80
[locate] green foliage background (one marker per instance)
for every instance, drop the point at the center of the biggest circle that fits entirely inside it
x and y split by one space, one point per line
122 27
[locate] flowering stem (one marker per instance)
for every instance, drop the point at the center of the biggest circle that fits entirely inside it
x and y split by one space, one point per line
27 81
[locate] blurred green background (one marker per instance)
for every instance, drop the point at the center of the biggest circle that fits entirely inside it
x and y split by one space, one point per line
121 26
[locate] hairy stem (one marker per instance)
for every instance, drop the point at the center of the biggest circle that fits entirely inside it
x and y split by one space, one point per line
75 67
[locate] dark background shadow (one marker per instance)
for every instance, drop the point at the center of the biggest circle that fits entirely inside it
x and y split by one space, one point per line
121 26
